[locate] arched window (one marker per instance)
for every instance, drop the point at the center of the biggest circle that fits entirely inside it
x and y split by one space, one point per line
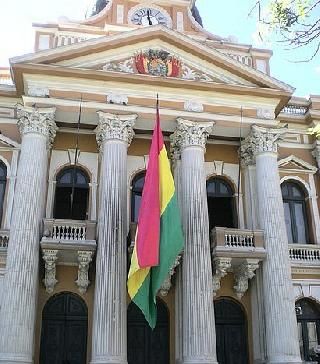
308 316
136 195
3 182
72 193
295 213
221 205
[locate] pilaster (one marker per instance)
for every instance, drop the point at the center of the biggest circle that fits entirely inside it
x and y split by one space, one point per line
17 314
198 324
109 339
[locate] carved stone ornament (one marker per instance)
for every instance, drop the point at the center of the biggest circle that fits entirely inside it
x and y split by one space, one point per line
50 257
221 266
260 140
189 73
166 285
84 259
119 99
194 106
267 114
38 91
115 127
190 133
125 66
40 121
242 274
316 153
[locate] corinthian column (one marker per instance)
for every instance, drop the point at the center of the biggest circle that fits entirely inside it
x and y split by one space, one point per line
199 339
282 343
17 314
109 338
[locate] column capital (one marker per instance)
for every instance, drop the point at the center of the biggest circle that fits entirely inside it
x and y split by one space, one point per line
191 133
115 127
260 140
316 152
37 120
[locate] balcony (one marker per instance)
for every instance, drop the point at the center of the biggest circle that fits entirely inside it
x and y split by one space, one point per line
67 242
304 255
237 251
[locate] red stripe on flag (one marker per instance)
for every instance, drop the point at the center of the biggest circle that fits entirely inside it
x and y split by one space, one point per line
148 237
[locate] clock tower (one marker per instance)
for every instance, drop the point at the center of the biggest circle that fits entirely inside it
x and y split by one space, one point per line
113 16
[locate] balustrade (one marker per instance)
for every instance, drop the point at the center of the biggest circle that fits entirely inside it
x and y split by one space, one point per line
304 254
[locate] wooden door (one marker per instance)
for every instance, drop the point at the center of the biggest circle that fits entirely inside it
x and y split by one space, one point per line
144 345
64 330
231 330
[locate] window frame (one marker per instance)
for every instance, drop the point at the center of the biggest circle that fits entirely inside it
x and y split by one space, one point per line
292 200
134 192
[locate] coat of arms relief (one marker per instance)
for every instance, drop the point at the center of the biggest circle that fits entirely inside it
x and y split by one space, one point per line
159 63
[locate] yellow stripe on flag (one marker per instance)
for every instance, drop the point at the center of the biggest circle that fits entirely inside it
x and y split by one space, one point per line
166 184
136 275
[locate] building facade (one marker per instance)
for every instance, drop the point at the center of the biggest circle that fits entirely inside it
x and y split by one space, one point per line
76 122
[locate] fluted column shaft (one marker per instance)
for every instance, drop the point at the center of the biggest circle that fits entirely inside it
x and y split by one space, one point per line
17 314
199 339
109 338
281 325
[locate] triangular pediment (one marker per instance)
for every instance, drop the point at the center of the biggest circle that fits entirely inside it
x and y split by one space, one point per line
118 53
293 163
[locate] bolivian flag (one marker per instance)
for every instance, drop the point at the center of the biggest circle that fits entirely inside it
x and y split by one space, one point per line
159 238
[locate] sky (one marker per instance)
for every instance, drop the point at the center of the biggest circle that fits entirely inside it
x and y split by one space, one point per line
225 18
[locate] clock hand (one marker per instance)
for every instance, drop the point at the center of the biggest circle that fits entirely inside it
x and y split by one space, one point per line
149 19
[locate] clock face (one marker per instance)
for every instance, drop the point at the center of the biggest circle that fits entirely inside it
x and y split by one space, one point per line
149 16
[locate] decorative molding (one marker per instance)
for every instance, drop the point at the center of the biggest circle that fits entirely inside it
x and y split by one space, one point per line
50 257
9 142
194 106
190 133
125 66
38 91
221 266
115 127
302 166
316 153
267 114
120 99
40 121
166 285
84 259
242 274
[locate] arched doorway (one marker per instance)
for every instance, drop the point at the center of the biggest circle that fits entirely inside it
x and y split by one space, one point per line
308 316
231 329
64 330
144 345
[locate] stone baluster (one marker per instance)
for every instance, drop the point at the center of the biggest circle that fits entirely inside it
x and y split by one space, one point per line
282 344
109 339
19 302
198 324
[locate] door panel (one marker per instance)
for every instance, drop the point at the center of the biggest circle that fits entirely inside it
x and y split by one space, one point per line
64 330
144 345
231 330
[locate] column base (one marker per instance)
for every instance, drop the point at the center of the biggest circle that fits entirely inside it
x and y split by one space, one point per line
14 359
108 360
285 360
199 361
